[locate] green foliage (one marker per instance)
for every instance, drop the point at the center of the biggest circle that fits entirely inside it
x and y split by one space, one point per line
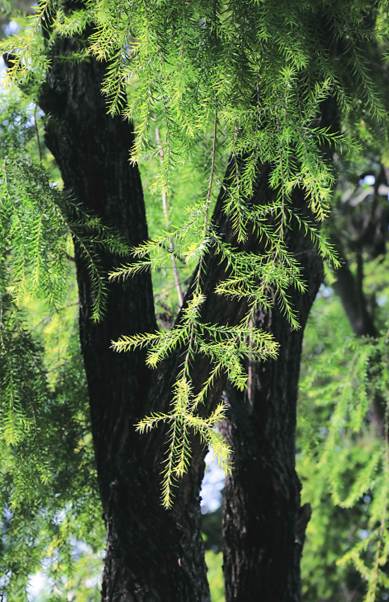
343 464
40 224
263 83
48 492
81 585
242 84
215 575
36 240
252 52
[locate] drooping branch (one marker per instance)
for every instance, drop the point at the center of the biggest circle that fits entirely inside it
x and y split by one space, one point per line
282 375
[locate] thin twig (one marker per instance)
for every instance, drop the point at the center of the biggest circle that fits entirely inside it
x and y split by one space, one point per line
166 215
38 140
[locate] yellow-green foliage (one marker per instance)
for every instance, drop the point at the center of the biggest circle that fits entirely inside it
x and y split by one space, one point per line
242 81
344 464
251 78
215 575
45 443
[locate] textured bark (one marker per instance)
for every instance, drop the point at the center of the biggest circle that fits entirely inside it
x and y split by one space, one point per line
263 522
152 554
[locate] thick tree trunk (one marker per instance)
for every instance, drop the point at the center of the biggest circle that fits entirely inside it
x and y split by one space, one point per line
152 554
263 522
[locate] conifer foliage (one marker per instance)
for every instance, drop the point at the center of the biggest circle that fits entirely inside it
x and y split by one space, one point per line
237 88
260 76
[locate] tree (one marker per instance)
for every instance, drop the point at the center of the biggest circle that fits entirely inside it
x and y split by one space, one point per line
358 429
246 73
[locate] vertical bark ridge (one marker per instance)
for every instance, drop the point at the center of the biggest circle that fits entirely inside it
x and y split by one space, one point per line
151 554
263 522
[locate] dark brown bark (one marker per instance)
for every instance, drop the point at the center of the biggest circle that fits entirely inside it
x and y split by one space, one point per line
263 522
152 554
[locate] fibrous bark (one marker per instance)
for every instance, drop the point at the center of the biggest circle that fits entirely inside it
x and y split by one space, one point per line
152 554
263 521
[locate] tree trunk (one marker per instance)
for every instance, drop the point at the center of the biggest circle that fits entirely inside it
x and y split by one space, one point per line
152 555
263 523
